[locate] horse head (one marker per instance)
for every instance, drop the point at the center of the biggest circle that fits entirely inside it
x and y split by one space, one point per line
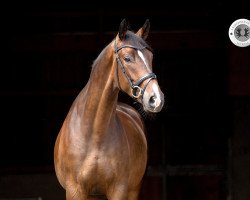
134 67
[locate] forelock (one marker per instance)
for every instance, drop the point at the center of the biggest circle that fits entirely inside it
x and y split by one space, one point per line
134 40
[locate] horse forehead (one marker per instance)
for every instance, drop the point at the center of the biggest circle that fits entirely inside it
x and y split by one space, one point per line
135 40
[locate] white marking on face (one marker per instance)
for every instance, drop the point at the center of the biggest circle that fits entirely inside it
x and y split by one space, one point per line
156 91
143 58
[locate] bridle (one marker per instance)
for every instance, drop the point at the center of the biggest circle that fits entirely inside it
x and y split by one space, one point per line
137 91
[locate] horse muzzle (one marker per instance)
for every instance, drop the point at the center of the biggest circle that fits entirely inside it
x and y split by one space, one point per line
153 100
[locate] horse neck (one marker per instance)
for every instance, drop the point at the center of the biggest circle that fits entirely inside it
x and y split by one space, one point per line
101 92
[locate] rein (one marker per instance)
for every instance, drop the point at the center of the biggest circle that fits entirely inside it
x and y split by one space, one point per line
137 91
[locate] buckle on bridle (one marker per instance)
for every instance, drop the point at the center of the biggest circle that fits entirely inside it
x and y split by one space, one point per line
136 91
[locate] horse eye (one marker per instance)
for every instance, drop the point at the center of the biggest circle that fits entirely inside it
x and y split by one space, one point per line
127 59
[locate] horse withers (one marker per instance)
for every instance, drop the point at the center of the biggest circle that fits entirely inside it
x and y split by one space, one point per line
101 147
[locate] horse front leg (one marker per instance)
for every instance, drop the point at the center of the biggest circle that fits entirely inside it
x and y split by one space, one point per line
76 193
121 194
133 195
118 192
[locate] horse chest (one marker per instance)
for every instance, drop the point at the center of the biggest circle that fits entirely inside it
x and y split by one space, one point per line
101 167
107 154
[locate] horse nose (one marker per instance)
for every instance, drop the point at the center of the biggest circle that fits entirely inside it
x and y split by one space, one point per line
156 103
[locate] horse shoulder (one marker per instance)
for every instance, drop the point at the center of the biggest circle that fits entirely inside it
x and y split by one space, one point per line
134 128
130 113
132 123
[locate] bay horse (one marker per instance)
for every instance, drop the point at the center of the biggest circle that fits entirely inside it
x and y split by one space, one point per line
101 147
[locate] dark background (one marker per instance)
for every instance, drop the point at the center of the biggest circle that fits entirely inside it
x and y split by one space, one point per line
198 144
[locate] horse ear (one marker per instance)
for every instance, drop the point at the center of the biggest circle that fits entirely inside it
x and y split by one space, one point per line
123 29
144 30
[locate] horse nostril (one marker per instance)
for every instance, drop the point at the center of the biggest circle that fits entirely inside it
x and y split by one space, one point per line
152 101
